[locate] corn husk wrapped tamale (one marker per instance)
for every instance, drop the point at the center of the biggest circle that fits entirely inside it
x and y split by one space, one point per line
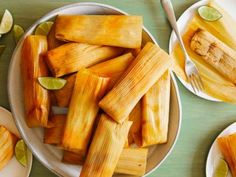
111 68
141 74
227 146
155 112
7 146
132 161
36 98
112 30
71 57
135 132
63 95
106 147
215 52
54 134
52 41
88 90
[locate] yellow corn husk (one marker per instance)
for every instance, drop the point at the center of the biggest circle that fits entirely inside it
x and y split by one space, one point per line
215 52
53 100
112 68
135 132
7 146
132 161
36 98
52 41
73 158
71 57
141 74
134 52
54 134
215 84
88 90
112 30
63 95
155 112
105 148
227 146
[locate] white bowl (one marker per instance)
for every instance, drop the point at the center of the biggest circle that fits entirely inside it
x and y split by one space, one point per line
51 156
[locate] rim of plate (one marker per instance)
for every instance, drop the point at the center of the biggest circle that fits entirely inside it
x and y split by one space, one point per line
47 17
171 46
30 158
210 151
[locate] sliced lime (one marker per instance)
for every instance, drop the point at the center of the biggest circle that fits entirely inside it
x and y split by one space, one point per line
18 32
43 28
209 13
6 22
221 169
2 48
52 83
21 152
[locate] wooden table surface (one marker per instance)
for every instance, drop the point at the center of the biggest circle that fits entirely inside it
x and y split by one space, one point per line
202 120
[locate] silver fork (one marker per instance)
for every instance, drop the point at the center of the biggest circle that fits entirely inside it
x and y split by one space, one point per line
191 70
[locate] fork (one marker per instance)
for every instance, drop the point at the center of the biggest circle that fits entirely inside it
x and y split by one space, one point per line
191 70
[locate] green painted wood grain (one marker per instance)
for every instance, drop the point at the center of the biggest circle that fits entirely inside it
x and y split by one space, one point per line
202 120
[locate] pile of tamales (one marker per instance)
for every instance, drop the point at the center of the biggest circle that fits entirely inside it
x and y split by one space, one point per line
117 92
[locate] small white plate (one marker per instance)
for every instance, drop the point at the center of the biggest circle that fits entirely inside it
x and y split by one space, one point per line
214 154
228 5
13 168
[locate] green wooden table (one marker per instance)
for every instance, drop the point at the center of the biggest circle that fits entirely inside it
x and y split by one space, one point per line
202 120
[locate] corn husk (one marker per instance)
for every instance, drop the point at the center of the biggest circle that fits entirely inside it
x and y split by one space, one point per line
141 74
73 158
227 146
54 134
7 146
71 57
52 41
88 90
155 112
111 30
105 148
36 98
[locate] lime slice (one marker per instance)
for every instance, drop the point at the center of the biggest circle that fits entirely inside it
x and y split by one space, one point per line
21 152
222 169
209 13
43 28
52 83
6 22
18 32
2 48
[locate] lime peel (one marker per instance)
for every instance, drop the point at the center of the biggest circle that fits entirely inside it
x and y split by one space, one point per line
6 22
21 152
209 13
52 83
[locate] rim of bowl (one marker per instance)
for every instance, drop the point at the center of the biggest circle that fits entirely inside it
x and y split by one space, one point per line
117 10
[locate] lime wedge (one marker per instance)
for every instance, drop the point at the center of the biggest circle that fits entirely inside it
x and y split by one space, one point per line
21 152
6 22
18 32
2 48
52 83
209 13
222 169
43 28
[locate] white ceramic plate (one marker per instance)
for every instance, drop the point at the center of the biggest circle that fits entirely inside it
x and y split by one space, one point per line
51 156
214 154
229 5
13 168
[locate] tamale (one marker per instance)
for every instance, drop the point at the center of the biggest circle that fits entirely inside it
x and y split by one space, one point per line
52 41
63 95
227 146
135 134
215 52
54 134
111 68
71 57
36 98
132 161
7 146
112 30
155 112
106 147
141 74
88 90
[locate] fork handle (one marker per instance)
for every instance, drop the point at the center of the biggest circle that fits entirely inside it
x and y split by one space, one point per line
167 5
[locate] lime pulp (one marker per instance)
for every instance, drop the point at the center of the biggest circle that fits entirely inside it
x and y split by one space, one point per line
209 13
21 152
221 169
18 32
6 22
52 83
43 28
